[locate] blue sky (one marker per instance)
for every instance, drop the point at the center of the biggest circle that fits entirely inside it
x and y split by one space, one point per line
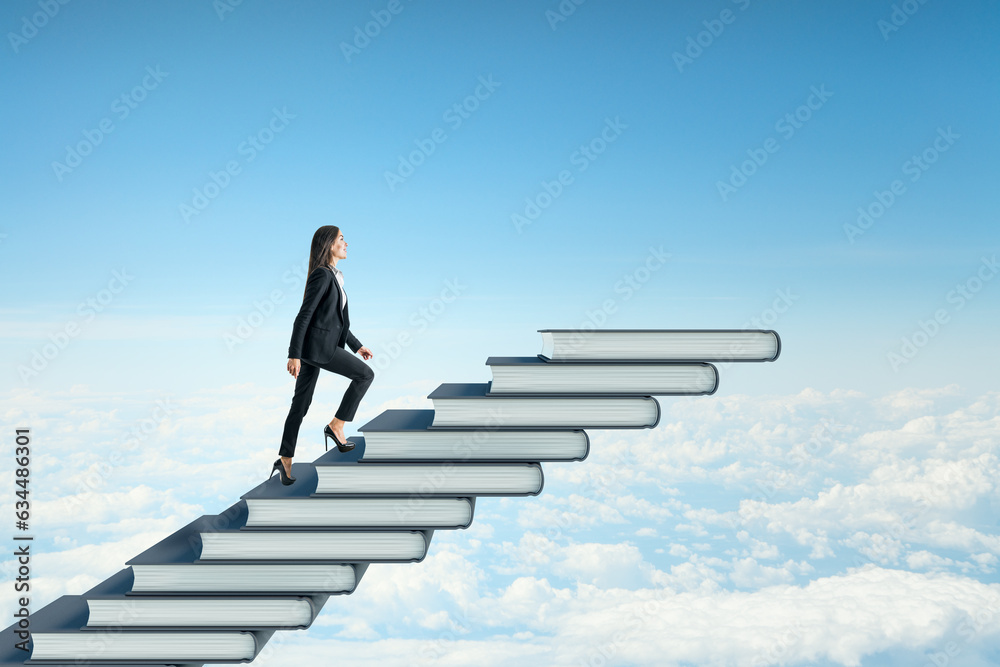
820 108
655 185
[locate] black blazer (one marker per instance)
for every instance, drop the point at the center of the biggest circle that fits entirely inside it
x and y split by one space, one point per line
320 325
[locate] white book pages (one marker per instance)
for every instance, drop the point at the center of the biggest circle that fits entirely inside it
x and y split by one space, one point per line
546 411
660 345
483 443
166 646
661 379
135 612
353 546
212 578
440 479
351 512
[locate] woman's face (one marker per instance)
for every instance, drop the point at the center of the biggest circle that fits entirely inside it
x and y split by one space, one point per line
338 249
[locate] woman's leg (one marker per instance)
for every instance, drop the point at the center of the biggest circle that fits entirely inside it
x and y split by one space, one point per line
305 385
361 376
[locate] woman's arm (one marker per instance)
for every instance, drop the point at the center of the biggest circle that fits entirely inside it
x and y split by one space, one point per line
353 342
316 286
356 346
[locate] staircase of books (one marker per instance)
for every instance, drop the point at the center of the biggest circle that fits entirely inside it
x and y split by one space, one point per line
217 589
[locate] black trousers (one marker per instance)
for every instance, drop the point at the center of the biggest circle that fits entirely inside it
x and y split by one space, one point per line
343 363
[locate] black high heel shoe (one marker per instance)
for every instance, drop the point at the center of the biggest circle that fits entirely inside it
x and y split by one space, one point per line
342 446
280 468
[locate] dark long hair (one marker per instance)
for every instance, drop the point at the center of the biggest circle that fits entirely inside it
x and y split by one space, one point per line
319 252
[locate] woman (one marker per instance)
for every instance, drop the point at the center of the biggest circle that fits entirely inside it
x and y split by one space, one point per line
321 329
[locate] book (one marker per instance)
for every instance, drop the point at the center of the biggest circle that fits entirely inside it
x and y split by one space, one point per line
471 404
527 375
407 435
113 603
662 345
246 579
59 632
415 481
360 512
330 545
273 505
172 566
217 612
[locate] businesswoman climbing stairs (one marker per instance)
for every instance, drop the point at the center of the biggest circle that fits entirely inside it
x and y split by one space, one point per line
320 331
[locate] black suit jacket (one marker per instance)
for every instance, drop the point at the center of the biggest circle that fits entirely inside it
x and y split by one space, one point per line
320 325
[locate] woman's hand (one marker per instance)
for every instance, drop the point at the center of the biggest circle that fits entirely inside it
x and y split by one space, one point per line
365 353
293 367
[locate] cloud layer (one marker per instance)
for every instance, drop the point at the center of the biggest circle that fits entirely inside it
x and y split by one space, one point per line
813 528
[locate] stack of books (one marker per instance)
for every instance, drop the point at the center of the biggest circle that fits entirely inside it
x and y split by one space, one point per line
218 588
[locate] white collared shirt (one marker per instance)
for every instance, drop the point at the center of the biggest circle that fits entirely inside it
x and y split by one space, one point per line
340 284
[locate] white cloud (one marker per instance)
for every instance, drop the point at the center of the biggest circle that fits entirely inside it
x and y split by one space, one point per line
606 565
903 500
748 573
92 510
758 548
841 619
